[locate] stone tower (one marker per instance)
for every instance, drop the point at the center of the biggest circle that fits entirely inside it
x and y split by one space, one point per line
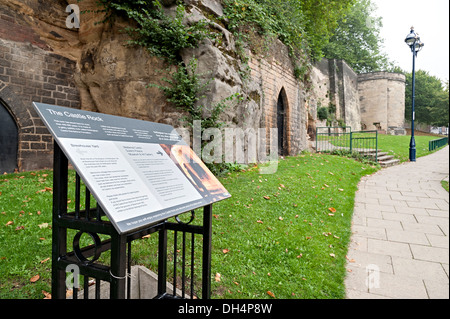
382 102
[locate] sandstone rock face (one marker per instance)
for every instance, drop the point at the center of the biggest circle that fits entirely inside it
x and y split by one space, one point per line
112 77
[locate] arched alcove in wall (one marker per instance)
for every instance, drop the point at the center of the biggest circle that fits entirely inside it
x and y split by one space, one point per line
18 118
9 140
282 123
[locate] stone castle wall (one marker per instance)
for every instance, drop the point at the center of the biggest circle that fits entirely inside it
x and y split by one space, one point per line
91 69
275 77
382 101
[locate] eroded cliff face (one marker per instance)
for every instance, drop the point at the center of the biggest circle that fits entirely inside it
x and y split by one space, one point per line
112 77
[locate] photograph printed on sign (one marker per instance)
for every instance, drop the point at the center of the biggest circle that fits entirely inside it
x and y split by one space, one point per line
197 172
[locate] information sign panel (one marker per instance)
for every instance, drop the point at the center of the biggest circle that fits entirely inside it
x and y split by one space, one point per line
139 172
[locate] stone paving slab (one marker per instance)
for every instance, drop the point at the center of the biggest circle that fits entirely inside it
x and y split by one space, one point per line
400 246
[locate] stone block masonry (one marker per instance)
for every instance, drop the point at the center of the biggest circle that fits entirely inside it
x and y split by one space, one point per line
29 72
275 76
382 101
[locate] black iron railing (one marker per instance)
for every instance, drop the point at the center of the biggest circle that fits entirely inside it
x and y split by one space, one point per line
435 144
331 139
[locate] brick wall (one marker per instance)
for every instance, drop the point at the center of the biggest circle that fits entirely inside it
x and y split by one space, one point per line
30 73
275 75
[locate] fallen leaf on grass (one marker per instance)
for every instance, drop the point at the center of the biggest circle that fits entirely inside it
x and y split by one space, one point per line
46 189
333 255
45 260
225 251
271 294
259 221
34 278
266 197
9 223
43 225
47 294
217 277
332 209
20 227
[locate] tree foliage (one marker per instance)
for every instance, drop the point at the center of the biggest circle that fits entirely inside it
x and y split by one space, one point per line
322 18
302 25
357 39
431 99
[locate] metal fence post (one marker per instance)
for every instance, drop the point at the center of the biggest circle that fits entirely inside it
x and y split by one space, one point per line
162 262
207 234
59 234
118 269
351 142
376 148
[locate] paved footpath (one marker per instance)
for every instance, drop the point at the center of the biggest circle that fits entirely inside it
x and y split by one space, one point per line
400 246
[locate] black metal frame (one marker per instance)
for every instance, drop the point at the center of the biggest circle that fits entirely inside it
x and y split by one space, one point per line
92 222
363 142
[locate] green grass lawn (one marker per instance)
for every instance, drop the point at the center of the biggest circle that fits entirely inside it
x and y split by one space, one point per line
25 234
285 233
399 145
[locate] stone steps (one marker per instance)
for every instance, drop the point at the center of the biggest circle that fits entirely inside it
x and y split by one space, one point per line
388 163
384 159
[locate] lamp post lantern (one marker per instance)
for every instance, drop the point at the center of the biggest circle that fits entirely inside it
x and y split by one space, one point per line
413 41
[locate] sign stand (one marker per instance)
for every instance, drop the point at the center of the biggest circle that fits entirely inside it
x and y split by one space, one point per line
92 221
138 176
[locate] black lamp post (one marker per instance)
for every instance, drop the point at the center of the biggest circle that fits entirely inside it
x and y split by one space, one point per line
413 41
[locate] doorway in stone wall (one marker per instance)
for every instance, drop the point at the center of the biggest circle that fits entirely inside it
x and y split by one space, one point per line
282 123
9 140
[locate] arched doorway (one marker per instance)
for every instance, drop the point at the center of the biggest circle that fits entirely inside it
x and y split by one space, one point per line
9 140
282 124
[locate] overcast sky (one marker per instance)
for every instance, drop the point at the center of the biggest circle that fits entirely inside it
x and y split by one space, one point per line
431 21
